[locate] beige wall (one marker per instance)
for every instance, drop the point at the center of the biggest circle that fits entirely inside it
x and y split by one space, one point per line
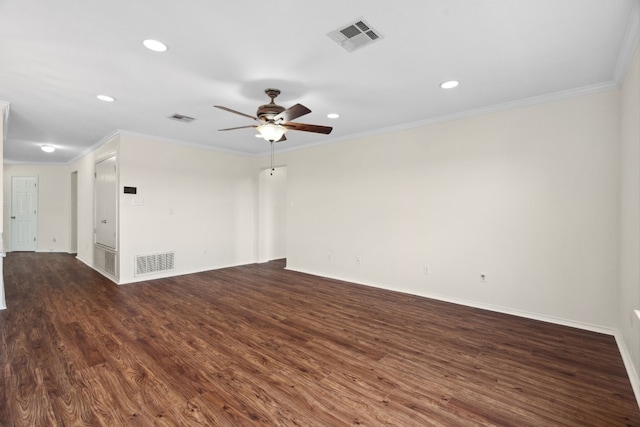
528 196
85 167
4 115
198 203
630 215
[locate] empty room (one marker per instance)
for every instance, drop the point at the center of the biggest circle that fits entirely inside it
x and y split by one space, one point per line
410 213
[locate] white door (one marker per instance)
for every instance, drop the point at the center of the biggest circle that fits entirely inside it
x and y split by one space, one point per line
106 202
24 213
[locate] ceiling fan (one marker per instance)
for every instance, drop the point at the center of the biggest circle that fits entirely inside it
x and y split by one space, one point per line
275 121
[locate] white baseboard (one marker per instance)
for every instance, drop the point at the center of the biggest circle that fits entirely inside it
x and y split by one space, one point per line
475 304
96 269
626 357
628 364
84 261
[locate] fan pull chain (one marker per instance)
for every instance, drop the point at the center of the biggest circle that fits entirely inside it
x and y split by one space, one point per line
272 169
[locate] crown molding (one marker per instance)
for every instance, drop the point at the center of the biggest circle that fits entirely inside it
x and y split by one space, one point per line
180 142
629 44
511 105
5 107
94 146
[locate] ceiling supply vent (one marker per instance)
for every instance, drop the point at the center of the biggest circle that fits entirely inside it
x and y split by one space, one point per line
355 35
146 264
182 118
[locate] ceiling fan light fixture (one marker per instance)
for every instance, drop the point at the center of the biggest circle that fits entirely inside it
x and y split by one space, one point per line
271 132
48 148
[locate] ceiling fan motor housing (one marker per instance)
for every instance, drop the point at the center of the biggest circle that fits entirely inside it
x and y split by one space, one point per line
273 116
268 111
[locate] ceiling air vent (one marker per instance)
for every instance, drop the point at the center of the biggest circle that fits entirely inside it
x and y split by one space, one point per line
355 35
182 118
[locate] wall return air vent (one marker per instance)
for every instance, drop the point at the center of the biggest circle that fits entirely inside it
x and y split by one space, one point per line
110 262
355 35
146 264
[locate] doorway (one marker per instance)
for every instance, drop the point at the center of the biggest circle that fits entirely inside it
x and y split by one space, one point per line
106 199
272 214
73 238
24 213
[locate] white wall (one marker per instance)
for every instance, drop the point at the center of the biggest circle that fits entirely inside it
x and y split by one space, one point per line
86 182
529 196
198 203
630 215
3 116
53 204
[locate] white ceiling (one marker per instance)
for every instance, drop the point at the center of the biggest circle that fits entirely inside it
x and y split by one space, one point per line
56 56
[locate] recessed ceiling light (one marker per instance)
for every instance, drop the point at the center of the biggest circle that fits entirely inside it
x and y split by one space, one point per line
155 45
450 84
333 115
48 148
106 98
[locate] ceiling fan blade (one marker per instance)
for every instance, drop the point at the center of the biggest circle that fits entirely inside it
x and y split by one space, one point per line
235 112
308 128
291 113
241 127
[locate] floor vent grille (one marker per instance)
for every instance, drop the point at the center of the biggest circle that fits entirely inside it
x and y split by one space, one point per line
355 35
146 264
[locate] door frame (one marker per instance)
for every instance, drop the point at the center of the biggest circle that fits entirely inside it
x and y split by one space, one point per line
73 218
271 235
96 212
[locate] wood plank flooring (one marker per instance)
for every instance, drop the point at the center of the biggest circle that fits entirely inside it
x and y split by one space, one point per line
261 346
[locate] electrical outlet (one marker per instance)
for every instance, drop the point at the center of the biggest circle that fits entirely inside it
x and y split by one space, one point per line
426 270
483 277
358 260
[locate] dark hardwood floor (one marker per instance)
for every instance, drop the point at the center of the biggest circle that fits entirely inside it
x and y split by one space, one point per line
259 345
